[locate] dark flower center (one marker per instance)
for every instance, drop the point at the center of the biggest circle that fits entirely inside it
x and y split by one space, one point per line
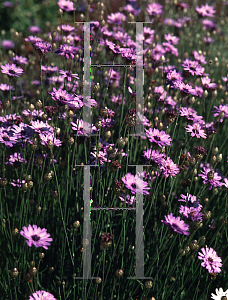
5 138
11 71
133 185
175 226
157 138
210 260
35 238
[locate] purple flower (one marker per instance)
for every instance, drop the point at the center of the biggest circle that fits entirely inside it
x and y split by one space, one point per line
42 47
8 44
67 28
61 96
82 127
33 39
210 260
221 111
211 177
209 25
206 10
20 60
16 159
168 167
154 9
8 4
36 236
68 75
66 5
176 224
35 29
49 136
67 51
171 39
135 184
116 18
5 87
193 67
7 139
185 89
41 295
191 213
11 70
158 137
206 82
199 57
196 130
129 199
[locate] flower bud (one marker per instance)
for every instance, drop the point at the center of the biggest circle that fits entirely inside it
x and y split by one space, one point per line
119 273
148 284
14 272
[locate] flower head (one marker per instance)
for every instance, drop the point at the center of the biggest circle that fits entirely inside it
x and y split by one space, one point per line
219 294
158 137
135 184
41 295
66 5
210 260
36 236
11 70
211 177
176 224
196 130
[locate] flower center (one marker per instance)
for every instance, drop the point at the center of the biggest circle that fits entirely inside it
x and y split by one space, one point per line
157 138
133 185
35 238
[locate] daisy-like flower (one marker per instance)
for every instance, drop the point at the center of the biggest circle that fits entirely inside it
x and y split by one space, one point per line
211 177
36 236
41 295
211 260
168 167
206 82
153 156
206 10
196 130
221 111
135 184
66 5
20 60
67 51
68 75
193 67
185 89
199 57
158 137
219 294
11 70
154 9
176 224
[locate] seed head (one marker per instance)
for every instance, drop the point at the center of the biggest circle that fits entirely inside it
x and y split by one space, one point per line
14 272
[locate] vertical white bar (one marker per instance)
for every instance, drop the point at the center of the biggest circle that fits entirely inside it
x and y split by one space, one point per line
139 76
86 225
86 80
139 271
